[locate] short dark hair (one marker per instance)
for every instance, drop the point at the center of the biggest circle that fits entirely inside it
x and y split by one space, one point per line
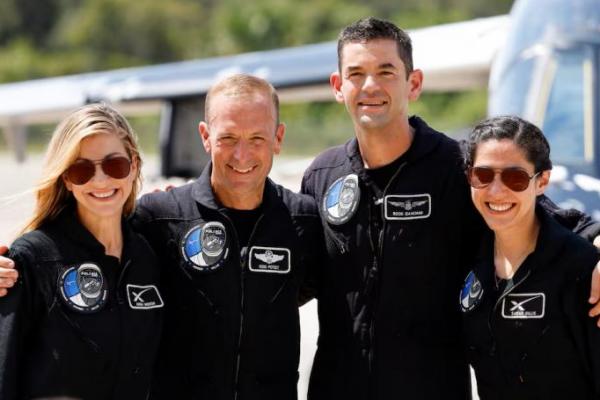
372 28
524 134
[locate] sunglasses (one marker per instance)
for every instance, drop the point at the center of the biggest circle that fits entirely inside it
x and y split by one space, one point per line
82 171
516 179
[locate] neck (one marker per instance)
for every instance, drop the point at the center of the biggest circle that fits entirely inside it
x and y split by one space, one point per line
247 200
107 231
512 248
380 147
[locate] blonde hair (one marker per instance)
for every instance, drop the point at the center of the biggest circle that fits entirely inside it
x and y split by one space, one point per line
238 85
51 192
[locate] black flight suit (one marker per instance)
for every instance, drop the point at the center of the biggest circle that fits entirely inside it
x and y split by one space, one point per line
390 325
532 339
232 325
54 342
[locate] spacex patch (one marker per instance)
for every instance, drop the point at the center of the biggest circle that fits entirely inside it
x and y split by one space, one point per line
407 206
273 260
524 306
144 297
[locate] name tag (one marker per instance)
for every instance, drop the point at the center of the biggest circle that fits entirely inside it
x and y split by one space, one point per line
274 260
407 206
524 306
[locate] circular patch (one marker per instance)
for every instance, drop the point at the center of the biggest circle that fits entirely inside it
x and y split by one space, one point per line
341 200
471 293
203 247
83 288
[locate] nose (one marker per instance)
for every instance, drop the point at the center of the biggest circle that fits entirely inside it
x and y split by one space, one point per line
242 151
370 84
496 186
99 174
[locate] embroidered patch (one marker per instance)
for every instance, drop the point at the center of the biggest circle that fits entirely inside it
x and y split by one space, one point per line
407 206
471 293
275 260
204 246
341 199
524 306
83 288
144 297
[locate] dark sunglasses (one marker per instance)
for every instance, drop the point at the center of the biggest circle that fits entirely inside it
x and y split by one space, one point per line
516 179
83 170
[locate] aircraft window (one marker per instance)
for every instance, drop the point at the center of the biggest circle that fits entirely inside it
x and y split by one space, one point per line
564 117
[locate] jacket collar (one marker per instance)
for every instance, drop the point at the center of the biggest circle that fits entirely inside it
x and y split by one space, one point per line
424 141
203 194
550 242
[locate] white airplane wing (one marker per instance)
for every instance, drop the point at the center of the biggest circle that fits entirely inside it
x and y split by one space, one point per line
453 56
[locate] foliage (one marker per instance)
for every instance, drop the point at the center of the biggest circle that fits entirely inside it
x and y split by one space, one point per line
41 38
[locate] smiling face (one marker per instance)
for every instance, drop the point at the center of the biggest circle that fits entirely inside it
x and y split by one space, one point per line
373 85
503 209
102 196
242 136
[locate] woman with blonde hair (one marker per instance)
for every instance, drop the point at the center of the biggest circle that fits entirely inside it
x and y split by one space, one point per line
84 319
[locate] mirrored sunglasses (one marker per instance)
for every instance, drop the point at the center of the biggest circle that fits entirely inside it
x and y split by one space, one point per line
82 171
516 179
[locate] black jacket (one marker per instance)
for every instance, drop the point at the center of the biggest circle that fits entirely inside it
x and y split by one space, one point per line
231 327
79 323
390 325
533 339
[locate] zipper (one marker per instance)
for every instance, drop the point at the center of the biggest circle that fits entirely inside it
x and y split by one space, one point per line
495 308
242 277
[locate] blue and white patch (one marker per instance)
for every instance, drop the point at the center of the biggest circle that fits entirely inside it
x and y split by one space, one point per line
407 206
83 288
204 246
144 297
471 293
341 199
524 306
274 260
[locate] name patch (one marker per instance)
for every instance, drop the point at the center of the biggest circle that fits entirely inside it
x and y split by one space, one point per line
407 206
524 306
274 260
144 297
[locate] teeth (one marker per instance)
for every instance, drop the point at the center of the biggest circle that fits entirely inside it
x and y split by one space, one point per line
500 207
243 171
104 194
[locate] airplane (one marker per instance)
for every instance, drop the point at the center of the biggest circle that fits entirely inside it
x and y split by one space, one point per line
541 62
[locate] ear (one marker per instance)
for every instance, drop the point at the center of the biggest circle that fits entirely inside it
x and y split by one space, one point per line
415 79
68 184
135 163
279 133
541 182
335 80
203 130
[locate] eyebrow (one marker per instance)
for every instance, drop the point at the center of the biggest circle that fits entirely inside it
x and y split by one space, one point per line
388 65
115 153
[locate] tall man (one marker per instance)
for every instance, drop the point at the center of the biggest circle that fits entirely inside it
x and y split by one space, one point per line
234 249
399 228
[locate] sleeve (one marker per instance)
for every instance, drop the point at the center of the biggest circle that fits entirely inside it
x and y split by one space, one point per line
574 220
584 329
305 185
16 319
311 285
